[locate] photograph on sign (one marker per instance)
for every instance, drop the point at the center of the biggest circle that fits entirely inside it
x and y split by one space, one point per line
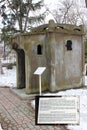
57 110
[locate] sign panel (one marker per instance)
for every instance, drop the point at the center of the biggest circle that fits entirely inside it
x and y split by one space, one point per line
57 110
40 70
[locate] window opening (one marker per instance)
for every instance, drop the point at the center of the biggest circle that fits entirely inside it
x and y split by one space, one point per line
69 45
39 50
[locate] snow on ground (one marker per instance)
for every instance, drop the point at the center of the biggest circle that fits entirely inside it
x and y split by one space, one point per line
82 93
0 127
9 77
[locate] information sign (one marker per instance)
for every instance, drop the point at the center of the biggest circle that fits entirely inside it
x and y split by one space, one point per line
40 70
57 110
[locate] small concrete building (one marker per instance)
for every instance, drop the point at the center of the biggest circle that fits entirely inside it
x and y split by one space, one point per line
59 48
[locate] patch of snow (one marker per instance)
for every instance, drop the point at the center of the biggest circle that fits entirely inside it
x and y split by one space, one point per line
9 77
33 103
0 127
85 80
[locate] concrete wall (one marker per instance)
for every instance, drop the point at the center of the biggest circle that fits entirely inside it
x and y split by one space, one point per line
68 64
33 61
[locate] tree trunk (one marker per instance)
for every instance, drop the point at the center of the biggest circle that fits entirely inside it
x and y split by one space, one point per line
1 70
86 3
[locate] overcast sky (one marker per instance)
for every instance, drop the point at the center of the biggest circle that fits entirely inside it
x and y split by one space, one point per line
52 3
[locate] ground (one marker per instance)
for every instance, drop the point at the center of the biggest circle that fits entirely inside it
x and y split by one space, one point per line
17 114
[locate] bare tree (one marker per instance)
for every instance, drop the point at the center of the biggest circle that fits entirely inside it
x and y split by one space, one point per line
68 13
86 3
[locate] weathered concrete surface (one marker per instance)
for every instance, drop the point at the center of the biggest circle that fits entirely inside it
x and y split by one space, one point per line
64 68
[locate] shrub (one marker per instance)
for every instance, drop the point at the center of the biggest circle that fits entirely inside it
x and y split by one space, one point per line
10 66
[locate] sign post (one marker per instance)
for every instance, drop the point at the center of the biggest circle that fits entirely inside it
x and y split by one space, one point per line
40 83
39 72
